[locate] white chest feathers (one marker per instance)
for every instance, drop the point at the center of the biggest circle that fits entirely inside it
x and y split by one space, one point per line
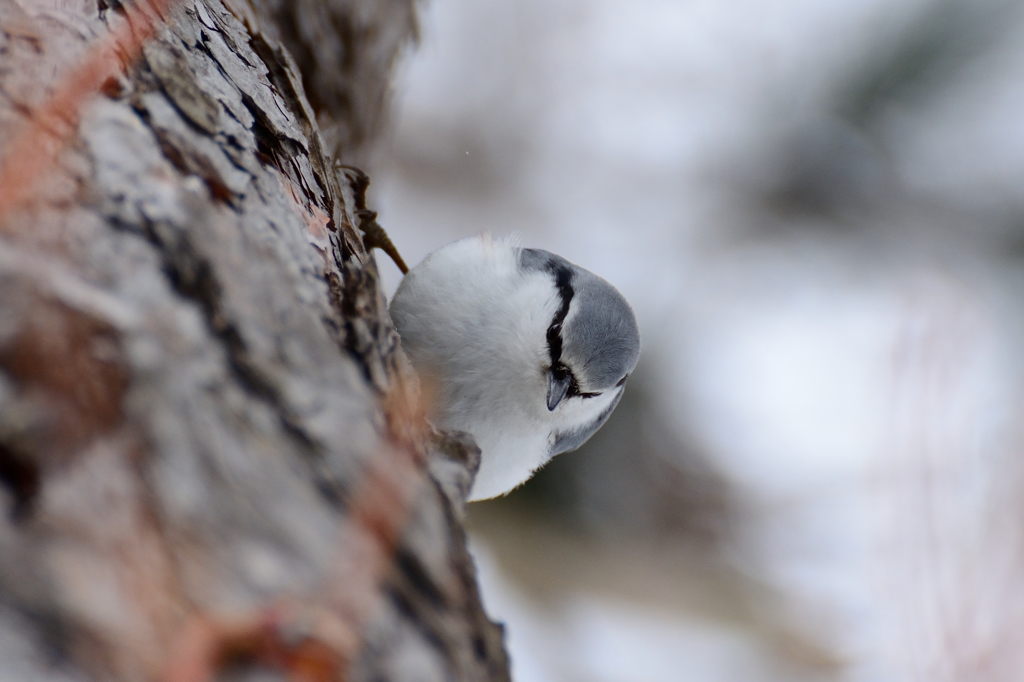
522 349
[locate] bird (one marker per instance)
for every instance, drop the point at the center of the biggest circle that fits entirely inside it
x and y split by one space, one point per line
522 349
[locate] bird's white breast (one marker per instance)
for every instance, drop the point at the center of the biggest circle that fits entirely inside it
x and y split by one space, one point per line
474 324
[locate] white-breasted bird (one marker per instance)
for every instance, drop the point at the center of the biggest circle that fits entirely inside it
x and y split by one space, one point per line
524 350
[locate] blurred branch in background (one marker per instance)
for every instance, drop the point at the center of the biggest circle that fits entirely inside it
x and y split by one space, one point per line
842 161
942 39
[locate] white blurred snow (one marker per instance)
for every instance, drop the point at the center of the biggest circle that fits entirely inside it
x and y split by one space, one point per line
592 638
861 404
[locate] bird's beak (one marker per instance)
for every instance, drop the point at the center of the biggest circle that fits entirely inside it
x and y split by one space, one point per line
558 386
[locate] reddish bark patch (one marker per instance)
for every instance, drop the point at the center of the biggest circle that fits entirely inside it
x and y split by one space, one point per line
69 364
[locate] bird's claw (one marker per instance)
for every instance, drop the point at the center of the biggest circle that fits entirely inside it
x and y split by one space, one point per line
374 236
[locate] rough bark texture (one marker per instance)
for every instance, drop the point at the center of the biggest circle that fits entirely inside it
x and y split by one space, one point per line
210 460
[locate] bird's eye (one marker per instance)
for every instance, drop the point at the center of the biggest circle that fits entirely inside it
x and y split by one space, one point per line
574 390
561 373
622 381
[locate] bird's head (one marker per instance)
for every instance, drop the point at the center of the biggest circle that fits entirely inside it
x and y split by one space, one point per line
593 345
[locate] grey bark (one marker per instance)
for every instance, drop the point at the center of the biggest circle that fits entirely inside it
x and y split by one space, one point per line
198 375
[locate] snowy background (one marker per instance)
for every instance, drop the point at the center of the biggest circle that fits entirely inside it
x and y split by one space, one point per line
816 209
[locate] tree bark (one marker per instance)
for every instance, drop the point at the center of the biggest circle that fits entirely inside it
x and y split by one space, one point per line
212 460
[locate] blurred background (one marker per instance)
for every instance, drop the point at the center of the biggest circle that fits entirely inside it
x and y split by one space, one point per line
816 209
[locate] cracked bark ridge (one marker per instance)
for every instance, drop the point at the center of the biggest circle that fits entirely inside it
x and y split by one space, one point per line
196 364
345 51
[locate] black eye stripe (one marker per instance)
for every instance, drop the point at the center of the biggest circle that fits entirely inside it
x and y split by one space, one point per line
563 283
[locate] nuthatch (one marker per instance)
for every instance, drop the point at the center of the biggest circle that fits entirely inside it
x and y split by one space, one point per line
526 351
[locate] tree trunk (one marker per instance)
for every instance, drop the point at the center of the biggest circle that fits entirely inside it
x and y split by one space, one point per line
212 460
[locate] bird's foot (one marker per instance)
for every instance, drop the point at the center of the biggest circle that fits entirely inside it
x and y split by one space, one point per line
374 236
